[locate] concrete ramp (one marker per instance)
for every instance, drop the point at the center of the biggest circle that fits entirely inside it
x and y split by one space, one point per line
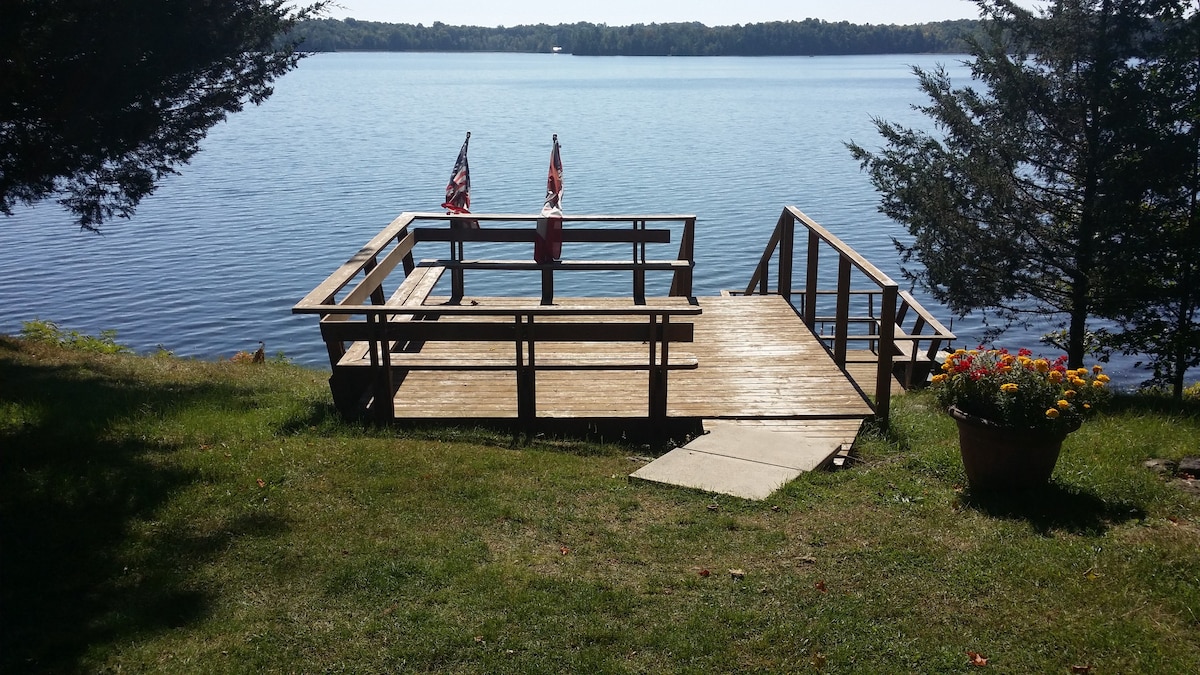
751 458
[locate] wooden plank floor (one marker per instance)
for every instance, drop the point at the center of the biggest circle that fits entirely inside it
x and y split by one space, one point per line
756 358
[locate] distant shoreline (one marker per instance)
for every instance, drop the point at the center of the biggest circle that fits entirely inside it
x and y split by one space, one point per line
810 37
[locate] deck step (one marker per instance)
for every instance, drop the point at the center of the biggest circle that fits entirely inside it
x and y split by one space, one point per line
751 459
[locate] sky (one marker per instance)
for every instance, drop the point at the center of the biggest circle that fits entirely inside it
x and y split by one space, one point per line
491 13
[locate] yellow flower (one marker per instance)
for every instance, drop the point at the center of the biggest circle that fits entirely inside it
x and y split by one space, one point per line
1078 382
1008 387
1097 384
959 352
1042 365
948 366
940 378
1064 403
1069 394
1052 413
1097 369
1087 406
1055 376
1102 378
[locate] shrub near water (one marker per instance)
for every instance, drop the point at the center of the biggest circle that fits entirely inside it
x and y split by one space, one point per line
48 332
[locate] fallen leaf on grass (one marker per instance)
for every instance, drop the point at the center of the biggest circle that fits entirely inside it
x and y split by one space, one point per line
565 550
737 574
479 639
704 573
820 586
261 483
1092 574
977 659
713 507
818 660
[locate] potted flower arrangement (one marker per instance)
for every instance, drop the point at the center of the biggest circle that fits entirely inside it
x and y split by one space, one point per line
1013 412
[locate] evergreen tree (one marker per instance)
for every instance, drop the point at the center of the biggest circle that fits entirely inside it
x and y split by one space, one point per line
101 99
1155 293
1021 206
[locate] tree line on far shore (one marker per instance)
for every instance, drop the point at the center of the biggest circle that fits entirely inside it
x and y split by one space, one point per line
809 37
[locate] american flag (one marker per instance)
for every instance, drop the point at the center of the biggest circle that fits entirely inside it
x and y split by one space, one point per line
458 190
548 245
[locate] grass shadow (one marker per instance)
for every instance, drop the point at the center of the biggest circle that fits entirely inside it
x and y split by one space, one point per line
80 567
1156 405
1054 508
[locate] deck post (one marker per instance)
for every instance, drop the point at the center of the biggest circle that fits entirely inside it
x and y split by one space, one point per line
681 281
887 335
547 284
377 297
639 275
383 409
526 374
407 262
810 280
658 372
457 275
787 237
841 328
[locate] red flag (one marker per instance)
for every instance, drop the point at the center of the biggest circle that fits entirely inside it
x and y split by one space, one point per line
458 190
548 245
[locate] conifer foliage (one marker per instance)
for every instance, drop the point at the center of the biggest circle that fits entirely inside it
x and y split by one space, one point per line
1049 186
100 99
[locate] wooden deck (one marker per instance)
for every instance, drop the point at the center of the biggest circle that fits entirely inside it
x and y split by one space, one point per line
756 360
773 354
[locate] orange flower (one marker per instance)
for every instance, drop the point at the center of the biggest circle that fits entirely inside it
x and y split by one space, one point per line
1103 378
1064 403
1055 376
1052 413
1069 394
1009 387
1097 369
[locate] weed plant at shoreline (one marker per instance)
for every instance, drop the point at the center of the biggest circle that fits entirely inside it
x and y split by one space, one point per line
163 514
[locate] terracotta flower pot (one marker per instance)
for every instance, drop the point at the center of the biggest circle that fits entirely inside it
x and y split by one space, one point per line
1003 458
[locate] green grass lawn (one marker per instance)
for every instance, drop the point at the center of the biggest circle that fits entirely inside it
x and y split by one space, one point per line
160 514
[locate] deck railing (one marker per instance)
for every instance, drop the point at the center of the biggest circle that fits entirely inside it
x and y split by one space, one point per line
900 335
363 320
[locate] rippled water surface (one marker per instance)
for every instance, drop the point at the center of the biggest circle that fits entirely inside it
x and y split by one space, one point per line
283 193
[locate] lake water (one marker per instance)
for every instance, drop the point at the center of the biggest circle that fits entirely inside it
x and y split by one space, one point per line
283 193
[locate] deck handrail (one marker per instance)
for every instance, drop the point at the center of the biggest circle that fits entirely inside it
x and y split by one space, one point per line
885 331
393 247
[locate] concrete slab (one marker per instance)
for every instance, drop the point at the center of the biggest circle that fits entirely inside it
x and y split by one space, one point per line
791 449
716 473
748 460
